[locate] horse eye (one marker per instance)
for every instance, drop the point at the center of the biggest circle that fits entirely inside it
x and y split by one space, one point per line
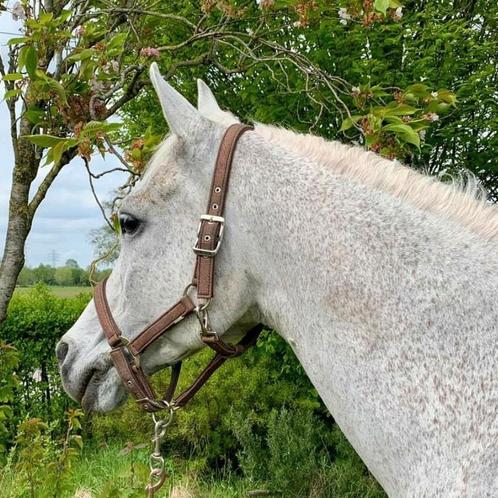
129 224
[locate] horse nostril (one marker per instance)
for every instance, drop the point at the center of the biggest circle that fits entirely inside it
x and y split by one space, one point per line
61 351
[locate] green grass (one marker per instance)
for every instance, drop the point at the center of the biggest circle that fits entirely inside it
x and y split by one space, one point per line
60 291
112 470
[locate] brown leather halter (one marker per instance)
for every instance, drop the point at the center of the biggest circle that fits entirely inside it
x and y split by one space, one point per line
126 353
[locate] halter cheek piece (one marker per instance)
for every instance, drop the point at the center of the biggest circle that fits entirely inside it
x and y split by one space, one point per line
126 353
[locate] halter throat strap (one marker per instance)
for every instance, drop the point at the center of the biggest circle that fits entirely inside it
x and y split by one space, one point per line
125 353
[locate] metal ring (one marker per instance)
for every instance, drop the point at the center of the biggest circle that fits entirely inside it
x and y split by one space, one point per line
164 422
188 287
202 307
198 306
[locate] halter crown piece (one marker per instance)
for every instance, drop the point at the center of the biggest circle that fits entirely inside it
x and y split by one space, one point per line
126 353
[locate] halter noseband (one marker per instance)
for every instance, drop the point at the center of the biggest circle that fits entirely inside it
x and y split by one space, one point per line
126 353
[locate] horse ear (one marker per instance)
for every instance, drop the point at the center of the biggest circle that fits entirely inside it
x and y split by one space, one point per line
206 101
209 108
181 116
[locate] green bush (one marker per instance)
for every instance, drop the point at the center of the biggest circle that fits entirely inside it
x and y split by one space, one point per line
9 361
259 380
40 464
35 322
258 420
295 453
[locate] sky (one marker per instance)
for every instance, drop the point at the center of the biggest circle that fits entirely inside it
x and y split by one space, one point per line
69 212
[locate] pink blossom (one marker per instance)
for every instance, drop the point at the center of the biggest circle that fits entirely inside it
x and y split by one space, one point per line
150 52
344 14
79 31
111 66
18 12
265 4
431 116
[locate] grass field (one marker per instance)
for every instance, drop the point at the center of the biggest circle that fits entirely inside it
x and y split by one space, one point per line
60 291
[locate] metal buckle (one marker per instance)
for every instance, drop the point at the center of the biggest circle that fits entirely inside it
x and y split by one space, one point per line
124 343
209 253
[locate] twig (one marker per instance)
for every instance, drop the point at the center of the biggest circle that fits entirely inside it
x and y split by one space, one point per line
92 187
95 262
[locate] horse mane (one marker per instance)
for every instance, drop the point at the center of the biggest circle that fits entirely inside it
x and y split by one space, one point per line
462 200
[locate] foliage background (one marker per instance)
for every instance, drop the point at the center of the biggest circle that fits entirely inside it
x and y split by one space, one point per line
273 432
442 44
418 84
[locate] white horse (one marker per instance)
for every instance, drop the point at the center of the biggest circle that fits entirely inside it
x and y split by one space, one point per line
384 282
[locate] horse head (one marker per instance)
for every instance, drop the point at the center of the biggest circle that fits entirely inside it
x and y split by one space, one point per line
158 226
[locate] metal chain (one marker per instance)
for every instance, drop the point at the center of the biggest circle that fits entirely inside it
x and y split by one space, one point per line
157 475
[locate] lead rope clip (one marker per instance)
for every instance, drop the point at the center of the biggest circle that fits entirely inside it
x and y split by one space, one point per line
157 475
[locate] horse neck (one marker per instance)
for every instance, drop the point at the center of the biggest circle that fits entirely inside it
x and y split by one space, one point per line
373 296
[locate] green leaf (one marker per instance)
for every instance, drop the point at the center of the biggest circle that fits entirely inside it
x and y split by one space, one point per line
12 93
44 140
419 124
349 122
87 69
65 15
31 61
82 55
34 115
447 96
18 41
378 91
375 122
115 223
57 151
395 109
51 84
45 18
371 139
94 127
381 6
418 90
393 119
407 134
117 41
54 154
21 60
438 107
13 77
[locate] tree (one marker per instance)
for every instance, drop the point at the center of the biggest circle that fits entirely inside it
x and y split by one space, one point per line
26 277
64 276
44 273
71 263
324 66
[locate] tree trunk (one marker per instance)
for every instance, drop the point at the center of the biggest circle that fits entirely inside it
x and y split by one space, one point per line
20 218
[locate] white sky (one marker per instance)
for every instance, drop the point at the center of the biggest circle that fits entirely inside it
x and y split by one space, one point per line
69 212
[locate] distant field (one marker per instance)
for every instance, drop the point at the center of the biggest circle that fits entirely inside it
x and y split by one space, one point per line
61 291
